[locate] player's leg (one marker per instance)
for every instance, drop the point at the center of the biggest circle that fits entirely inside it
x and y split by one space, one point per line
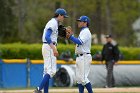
50 68
81 88
44 82
46 87
46 53
79 69
53 66
89 87
88 60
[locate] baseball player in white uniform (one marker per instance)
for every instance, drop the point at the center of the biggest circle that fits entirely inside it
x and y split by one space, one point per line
84 58
49 50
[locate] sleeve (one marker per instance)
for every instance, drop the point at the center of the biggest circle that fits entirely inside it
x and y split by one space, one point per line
116 53
47 35
75 40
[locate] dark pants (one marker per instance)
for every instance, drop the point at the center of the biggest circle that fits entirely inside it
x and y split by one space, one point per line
110 77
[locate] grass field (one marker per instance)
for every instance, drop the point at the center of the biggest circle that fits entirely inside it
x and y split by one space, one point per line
75 90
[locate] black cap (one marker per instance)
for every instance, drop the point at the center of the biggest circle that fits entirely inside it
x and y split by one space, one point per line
108 36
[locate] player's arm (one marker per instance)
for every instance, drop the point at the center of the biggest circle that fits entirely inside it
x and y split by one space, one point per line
47 36
49 41
75 40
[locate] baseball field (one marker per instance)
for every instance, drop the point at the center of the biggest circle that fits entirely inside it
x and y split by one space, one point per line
75 90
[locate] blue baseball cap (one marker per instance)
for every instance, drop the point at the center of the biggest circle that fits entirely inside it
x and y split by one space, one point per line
61 11
83 19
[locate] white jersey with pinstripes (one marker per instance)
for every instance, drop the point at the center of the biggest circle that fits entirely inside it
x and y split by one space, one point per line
85 38
52 24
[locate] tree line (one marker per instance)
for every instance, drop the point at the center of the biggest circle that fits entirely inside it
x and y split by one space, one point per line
24 20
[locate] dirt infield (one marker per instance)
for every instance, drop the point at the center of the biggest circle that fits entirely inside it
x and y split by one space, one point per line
70 90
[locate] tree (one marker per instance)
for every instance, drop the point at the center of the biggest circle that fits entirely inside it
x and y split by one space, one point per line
8 30
106 16
123 16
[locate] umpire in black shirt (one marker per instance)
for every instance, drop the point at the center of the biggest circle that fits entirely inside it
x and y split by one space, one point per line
110 53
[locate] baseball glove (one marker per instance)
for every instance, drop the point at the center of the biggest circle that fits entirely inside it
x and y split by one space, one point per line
62 31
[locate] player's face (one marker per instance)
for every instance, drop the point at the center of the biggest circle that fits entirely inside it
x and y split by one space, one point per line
61 18
80 24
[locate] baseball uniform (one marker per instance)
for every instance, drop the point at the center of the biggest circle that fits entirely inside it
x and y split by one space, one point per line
84 58
49 40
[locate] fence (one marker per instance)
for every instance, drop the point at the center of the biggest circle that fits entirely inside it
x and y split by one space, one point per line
22 73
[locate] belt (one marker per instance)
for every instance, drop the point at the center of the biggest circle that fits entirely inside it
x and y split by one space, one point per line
54 43
78 55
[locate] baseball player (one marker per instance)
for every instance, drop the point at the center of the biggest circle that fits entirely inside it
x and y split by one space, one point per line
49 50
84 58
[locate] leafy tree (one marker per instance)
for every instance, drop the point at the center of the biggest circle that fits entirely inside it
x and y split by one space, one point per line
106 16
8 30
123 16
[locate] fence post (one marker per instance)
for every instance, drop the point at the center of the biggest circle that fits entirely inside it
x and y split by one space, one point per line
28 71
1 81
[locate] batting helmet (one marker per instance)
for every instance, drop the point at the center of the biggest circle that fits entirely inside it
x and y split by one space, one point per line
61 11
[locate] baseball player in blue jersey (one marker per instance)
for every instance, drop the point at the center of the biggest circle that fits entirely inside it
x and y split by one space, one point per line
49 50
84 58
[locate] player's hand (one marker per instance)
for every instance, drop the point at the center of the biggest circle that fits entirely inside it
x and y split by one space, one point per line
55 52
69 32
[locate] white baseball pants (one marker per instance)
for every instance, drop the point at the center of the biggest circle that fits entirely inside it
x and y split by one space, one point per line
49 60
83 68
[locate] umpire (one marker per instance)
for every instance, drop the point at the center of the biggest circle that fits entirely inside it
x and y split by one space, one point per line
110 53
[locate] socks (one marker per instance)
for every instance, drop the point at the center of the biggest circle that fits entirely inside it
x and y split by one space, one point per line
46 87
81 88
45 83
89 87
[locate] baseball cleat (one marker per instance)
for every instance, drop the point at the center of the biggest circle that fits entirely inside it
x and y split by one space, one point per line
37 91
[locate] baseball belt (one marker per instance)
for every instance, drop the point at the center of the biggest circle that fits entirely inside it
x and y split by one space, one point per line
78 55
